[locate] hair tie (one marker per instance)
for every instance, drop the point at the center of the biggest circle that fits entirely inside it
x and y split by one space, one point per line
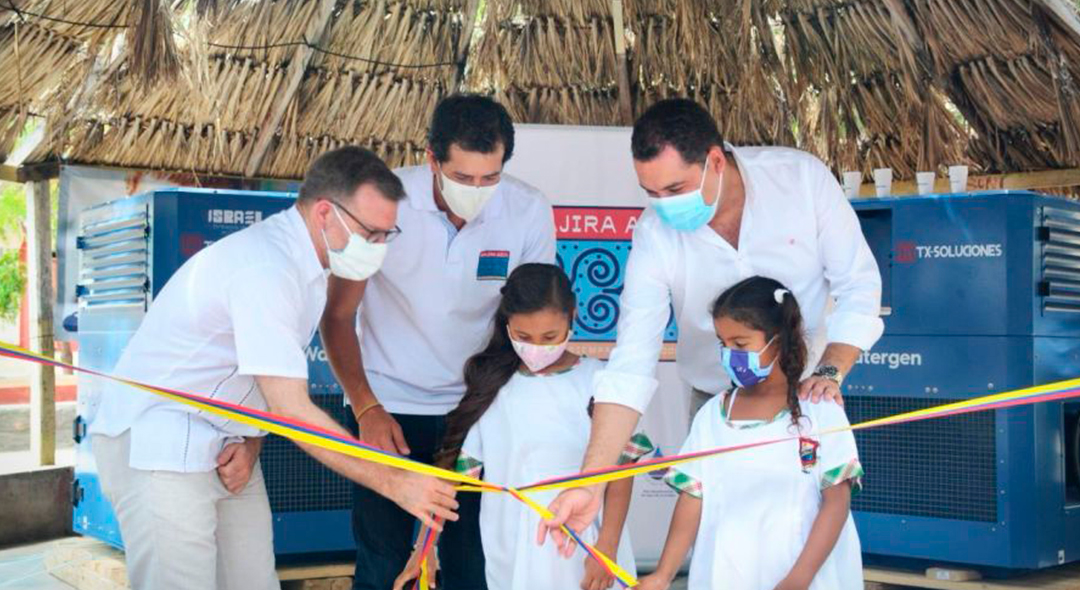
778 295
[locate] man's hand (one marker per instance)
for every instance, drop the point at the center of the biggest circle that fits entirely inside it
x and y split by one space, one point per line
817 389
378 427
423 496
235 463
577 509
596 577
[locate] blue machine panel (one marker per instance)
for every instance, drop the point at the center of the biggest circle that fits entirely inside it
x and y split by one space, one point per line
980 296
311 505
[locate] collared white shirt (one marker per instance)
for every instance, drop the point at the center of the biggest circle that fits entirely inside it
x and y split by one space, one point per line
246 305
431 305
797 228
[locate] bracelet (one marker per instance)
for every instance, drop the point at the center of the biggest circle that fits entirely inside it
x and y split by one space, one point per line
367 409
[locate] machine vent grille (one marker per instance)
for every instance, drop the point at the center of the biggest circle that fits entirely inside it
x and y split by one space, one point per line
1059 237
945 468
297 483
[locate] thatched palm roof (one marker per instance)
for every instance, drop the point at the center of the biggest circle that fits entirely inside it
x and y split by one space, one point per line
261 86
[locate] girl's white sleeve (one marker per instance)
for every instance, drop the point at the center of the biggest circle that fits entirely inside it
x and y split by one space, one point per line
687 477
838 456
470 460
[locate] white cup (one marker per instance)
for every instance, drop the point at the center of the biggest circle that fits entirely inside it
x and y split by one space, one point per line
958 179
852 183
925 182
883 181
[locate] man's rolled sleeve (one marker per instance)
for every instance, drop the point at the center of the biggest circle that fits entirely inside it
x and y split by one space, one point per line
850 268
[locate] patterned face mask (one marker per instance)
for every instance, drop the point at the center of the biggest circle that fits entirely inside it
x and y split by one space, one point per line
744 366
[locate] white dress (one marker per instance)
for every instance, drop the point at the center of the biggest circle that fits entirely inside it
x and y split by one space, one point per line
759 504
538 427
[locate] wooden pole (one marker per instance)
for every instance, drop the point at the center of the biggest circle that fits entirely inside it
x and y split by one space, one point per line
39 280
618 29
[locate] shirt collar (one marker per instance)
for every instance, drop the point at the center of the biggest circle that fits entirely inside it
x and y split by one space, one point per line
305 256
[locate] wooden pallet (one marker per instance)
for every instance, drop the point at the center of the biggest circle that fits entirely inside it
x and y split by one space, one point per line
88 564
1059 578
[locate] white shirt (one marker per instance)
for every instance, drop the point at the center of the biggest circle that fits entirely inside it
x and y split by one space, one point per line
537 428
759 504
431 306
246 305
797 228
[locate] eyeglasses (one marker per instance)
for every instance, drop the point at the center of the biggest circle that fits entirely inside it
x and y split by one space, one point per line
374 236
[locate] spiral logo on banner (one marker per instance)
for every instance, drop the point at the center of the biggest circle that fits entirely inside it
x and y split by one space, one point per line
593 246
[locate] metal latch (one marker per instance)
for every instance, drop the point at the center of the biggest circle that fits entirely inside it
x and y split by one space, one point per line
78 429
76 492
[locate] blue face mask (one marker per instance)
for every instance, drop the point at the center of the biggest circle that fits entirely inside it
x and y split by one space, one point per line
744 366
688 211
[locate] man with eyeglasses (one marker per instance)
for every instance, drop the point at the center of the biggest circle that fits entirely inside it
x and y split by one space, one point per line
232 324
466 227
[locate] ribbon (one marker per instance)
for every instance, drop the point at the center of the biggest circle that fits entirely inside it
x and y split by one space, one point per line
314 435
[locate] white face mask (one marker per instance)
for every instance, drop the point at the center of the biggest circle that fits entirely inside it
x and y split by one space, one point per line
358 260
465 201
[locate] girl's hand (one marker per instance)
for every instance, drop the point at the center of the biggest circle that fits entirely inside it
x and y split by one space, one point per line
596 577
791 583
653 581
412 569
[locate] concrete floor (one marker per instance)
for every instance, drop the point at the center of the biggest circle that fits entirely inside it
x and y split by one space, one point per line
23 568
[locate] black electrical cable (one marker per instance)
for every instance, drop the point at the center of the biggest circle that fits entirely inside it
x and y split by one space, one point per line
22 14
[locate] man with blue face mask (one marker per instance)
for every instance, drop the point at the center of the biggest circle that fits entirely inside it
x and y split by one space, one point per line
719 214
466 226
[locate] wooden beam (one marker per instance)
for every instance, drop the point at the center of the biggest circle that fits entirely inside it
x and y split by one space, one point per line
1041 180
314 33
39 278
9 173
1064 14
30 172
618 30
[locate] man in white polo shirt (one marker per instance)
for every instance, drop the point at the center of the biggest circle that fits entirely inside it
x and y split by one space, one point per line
232 324
466 226
717 215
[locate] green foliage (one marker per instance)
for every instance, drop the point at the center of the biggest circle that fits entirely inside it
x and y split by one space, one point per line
12 284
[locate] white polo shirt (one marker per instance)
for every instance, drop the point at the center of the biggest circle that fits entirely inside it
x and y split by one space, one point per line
797 228
246 305
432 304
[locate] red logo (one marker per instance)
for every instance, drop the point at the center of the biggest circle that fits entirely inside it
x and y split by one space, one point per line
905 252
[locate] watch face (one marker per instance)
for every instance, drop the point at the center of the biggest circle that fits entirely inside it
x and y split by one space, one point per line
828 372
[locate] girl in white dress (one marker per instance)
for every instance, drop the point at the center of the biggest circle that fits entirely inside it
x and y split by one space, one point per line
525 417
773 517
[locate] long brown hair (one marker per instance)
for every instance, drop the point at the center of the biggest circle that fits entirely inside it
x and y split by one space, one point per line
753 302
531 287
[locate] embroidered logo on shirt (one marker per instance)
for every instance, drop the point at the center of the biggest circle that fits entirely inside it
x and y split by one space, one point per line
493 266
808 454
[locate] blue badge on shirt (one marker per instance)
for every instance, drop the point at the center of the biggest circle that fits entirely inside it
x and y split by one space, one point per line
493 266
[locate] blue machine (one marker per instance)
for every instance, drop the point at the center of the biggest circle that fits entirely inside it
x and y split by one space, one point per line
982 294
128 249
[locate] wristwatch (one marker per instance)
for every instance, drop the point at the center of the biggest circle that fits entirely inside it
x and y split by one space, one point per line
830 372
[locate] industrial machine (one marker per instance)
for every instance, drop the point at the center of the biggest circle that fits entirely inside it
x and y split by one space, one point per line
128 249
981 293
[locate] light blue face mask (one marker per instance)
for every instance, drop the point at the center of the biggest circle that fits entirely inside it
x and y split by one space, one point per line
688 211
